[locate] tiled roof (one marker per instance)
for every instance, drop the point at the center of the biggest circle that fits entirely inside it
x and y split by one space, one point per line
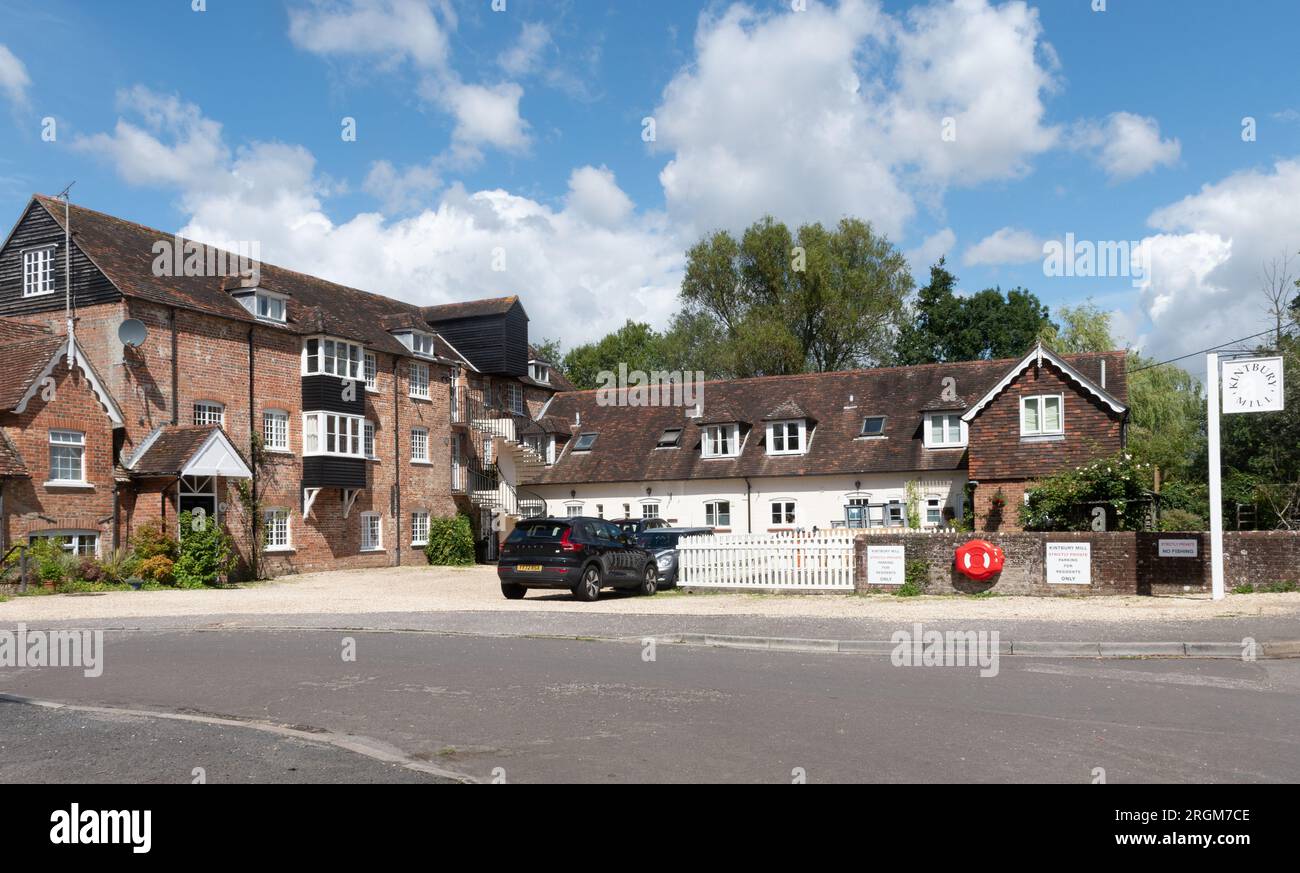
787 409
11 463
123 251
468 309
171 449
13 331
838 402
21 362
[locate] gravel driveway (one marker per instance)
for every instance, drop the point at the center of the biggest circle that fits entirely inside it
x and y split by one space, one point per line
440 589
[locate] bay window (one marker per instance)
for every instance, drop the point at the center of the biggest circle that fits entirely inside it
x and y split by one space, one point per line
327 433
329 357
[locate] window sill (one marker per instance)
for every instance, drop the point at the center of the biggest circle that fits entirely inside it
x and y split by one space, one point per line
372 551
279 451
83 486
1042 438
874 436
279 550
946 447
718 457
370 390
418 397
419 545
785 454
421 463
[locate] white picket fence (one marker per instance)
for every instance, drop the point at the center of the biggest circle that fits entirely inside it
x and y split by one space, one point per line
820 561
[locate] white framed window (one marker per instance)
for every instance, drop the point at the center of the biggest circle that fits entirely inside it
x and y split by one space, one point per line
1042 414
419 343
67 457
420 445
369 440
271 307
275 430
895 514
419 528
944 430
371 372
934 510
584 442
327 433
82 543
650 510
540 372
721 441
210 412
783 512
276 524
515 397
38 271
372 532
786 437
419 380
717 513
330 357
573 510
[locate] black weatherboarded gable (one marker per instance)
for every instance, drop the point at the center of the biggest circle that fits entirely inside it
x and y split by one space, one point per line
37 228
492 334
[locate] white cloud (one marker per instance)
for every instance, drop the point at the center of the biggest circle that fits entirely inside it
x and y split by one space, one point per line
196 148
391 31
1007 245
486 116
14 80
402 190
595 197
1205 261
1126 145
583 269
840 110
525 55
935 246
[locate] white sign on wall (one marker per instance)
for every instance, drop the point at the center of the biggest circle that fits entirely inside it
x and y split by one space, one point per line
885 565
1069 563
1178 548
1252 385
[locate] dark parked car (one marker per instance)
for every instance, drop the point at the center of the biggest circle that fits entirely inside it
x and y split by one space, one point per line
662 543
634 527
581 554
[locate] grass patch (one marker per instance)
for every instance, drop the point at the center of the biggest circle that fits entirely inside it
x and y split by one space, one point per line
1270 588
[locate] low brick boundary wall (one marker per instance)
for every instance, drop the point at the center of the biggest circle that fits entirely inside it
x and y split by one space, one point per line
1121 563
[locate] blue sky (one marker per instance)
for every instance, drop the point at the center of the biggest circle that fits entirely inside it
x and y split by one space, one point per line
519 133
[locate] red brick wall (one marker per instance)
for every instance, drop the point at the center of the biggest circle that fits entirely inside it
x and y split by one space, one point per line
30 504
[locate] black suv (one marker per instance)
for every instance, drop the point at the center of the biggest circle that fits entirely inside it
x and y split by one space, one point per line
580 554
634 527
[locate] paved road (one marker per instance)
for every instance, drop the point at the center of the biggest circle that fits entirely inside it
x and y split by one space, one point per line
575 710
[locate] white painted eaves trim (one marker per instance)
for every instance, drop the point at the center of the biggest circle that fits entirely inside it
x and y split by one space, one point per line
101 394
1039 353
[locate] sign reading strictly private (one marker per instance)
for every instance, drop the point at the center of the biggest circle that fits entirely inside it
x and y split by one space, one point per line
1252 385
1178 548
1069 563
885 565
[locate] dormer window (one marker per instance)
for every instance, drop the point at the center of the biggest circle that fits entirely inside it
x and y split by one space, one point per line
418 342
873 426
721 441
539 372
944 430
270 307
584 442
787 437
670 439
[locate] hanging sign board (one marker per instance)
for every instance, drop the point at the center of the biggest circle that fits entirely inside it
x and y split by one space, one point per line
1252 385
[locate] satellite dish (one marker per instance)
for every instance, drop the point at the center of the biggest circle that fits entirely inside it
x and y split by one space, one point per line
132 332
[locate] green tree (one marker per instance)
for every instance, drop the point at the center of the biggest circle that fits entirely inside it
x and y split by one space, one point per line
549 351
1166 420
943 326
635 344
782 302
1083 328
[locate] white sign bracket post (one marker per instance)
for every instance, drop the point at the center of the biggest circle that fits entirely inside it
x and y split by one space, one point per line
1216 474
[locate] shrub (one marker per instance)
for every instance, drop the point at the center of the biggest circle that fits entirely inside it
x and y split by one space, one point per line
1180 520
89 570
51 563
1244 588
160 569
916 578
207 553
1065 501
451 541
150 541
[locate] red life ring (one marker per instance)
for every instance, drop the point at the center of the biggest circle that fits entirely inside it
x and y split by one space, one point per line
980 560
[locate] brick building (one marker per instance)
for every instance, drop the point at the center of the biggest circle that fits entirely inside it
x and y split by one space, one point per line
369 418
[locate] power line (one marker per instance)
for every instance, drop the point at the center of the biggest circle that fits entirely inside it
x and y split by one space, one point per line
1213 348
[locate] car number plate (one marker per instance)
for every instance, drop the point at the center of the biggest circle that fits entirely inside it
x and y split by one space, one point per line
528 568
